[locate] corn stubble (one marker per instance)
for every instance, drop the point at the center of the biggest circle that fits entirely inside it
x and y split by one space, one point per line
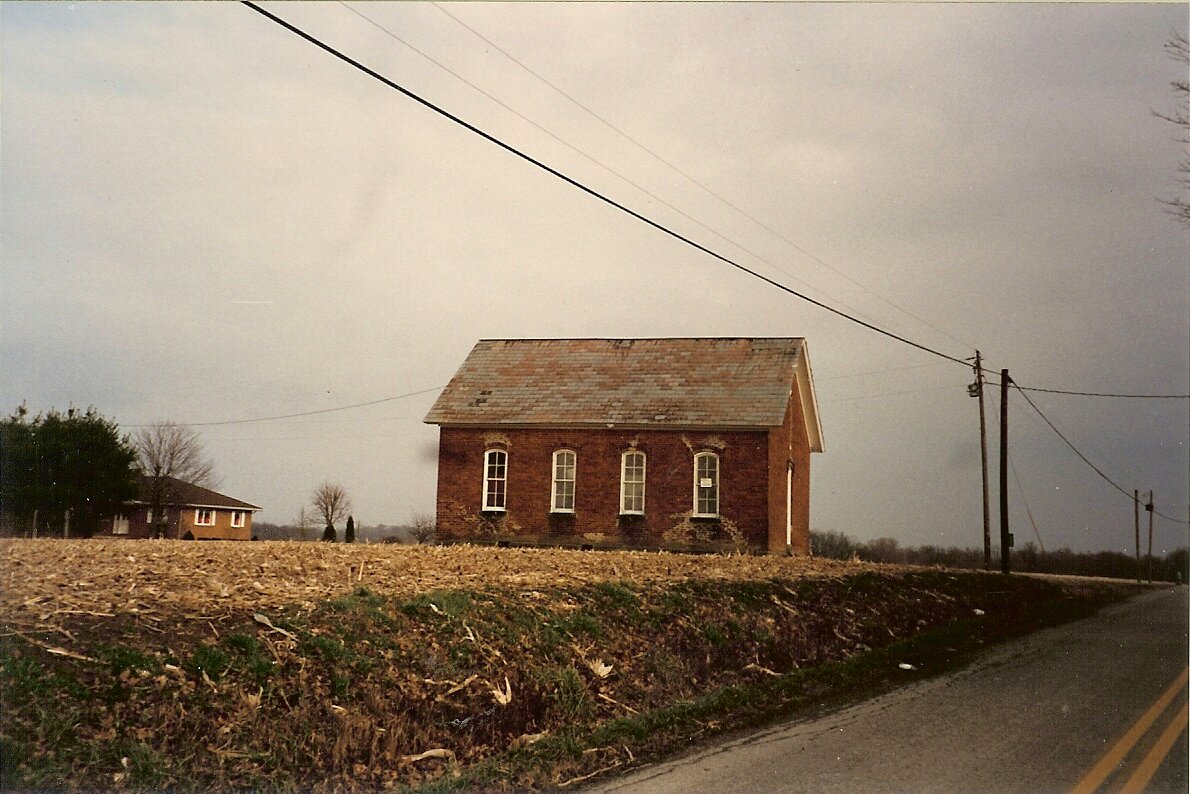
161 664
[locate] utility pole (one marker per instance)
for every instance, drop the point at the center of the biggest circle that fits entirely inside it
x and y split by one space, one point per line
1136 516
1149 559
976 390
1005 535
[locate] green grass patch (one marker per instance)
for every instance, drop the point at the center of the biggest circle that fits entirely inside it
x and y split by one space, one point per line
207 659
120 658
579 624
451 603
567 694
614 595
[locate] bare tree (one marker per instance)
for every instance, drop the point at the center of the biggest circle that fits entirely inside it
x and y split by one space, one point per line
167 449
331 502
423 527
1178 48
303 522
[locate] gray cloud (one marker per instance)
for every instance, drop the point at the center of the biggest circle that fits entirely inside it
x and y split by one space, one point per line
206 218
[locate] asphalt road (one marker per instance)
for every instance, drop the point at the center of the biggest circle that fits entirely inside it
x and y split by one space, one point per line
1075 708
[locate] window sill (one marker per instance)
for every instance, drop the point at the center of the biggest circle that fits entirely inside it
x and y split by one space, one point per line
632 512
705 516
492 510
561 512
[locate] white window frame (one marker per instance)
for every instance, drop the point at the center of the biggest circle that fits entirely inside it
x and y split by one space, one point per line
149 516
489 480
120 524
715 486
555 481
238 518
198 516
624 511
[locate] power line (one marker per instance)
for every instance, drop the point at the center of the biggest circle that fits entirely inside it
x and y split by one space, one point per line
878 371
306 413
1094 393
623 208
1085 459
588 190
697 183
1106 394
1021 490
955 387
633 213
591 159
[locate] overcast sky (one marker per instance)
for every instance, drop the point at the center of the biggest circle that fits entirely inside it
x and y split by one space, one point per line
206 218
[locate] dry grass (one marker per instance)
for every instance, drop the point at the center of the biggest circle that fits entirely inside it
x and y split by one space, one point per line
143 666
46 582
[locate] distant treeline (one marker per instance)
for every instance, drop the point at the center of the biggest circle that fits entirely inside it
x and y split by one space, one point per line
379 533
1170 568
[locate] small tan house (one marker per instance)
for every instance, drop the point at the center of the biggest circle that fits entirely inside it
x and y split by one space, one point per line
686 443
183 511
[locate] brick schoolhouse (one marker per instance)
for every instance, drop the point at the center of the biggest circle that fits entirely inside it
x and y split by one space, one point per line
686 444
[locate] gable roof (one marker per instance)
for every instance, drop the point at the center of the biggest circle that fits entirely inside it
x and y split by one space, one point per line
179 493
677 382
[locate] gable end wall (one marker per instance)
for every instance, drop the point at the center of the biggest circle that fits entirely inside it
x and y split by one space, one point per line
789 445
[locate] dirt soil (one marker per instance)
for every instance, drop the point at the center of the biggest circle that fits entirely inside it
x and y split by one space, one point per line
310 666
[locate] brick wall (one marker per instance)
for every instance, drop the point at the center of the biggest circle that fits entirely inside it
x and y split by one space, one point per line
222 530
180 520
789 447
745 483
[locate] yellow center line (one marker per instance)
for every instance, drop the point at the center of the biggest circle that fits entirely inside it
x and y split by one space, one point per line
1148 767
1112 758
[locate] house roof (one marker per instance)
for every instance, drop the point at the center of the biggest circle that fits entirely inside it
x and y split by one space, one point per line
184 494
677 382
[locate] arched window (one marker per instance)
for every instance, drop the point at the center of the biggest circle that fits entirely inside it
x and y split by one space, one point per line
632 482
562 490
495 477
706 485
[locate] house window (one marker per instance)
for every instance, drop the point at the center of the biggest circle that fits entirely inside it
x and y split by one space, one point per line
149 516
495 476
706 484
563 482
204 517
237 518
632 483
120 525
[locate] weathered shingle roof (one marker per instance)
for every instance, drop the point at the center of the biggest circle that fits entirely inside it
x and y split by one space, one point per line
698 382
184 494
